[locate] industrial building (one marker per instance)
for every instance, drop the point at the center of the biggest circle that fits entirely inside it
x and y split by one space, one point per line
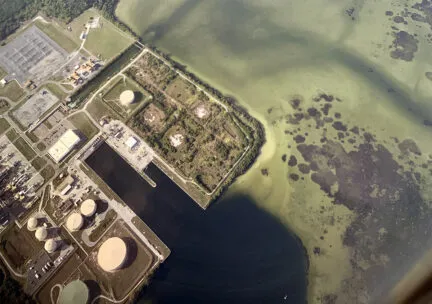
64 145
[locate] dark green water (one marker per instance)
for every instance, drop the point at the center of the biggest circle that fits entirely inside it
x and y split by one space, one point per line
232 253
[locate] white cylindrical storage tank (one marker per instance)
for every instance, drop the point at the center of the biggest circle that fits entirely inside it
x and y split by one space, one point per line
50 246
41 233
112 254
74 222
127 97
88 207
32 223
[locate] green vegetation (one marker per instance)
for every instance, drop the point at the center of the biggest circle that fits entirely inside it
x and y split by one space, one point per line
32 137
11 291
194 134
47 172
107 40
56 34
111 97
12 135
41 146
38 163
56 90
83 123
110 216
24 148
98 109
4 125
12 90
4 105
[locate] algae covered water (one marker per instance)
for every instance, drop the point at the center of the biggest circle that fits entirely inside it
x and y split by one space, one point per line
343 89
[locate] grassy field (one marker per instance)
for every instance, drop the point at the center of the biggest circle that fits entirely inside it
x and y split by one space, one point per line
56 90
38 163
112 95
12 90
32 137
4 106
12 135
57 34
107 40
24 148
83 123
48 172
4 125
41 146
98 109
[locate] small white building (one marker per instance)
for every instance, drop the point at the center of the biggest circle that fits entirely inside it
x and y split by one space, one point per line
131 142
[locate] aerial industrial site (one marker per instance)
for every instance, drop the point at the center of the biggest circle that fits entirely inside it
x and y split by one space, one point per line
67 234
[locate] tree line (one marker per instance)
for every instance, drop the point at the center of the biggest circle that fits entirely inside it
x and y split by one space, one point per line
14 12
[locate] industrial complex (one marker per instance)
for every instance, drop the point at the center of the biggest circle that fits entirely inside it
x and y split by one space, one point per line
67 234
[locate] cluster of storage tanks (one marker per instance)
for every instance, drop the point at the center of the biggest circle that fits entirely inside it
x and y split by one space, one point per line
41 234
74 222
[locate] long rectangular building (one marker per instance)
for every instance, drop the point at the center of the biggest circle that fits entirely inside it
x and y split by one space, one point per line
64 145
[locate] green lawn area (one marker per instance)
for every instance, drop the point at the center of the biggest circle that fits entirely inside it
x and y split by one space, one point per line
24 148
112 95
12 90
98 109
4 125
32 137
83 123
47 172
12 135
41 146
56 90
58 35
107 40
38 163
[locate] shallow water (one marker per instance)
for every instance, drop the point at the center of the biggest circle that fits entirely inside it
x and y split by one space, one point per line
361 235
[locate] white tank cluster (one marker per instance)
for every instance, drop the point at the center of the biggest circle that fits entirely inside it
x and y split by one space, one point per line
127 97
41 234
32 223
112 254
88 207
75 222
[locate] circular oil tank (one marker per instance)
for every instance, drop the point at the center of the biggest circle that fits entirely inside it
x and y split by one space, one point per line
74 222
32 223
112 254
127 97
76 292
50 246
41 233
88 207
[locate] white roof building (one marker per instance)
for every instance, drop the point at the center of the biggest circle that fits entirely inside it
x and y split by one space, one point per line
64 145
131 142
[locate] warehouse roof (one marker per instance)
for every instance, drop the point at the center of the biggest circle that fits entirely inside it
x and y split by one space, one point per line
64 145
